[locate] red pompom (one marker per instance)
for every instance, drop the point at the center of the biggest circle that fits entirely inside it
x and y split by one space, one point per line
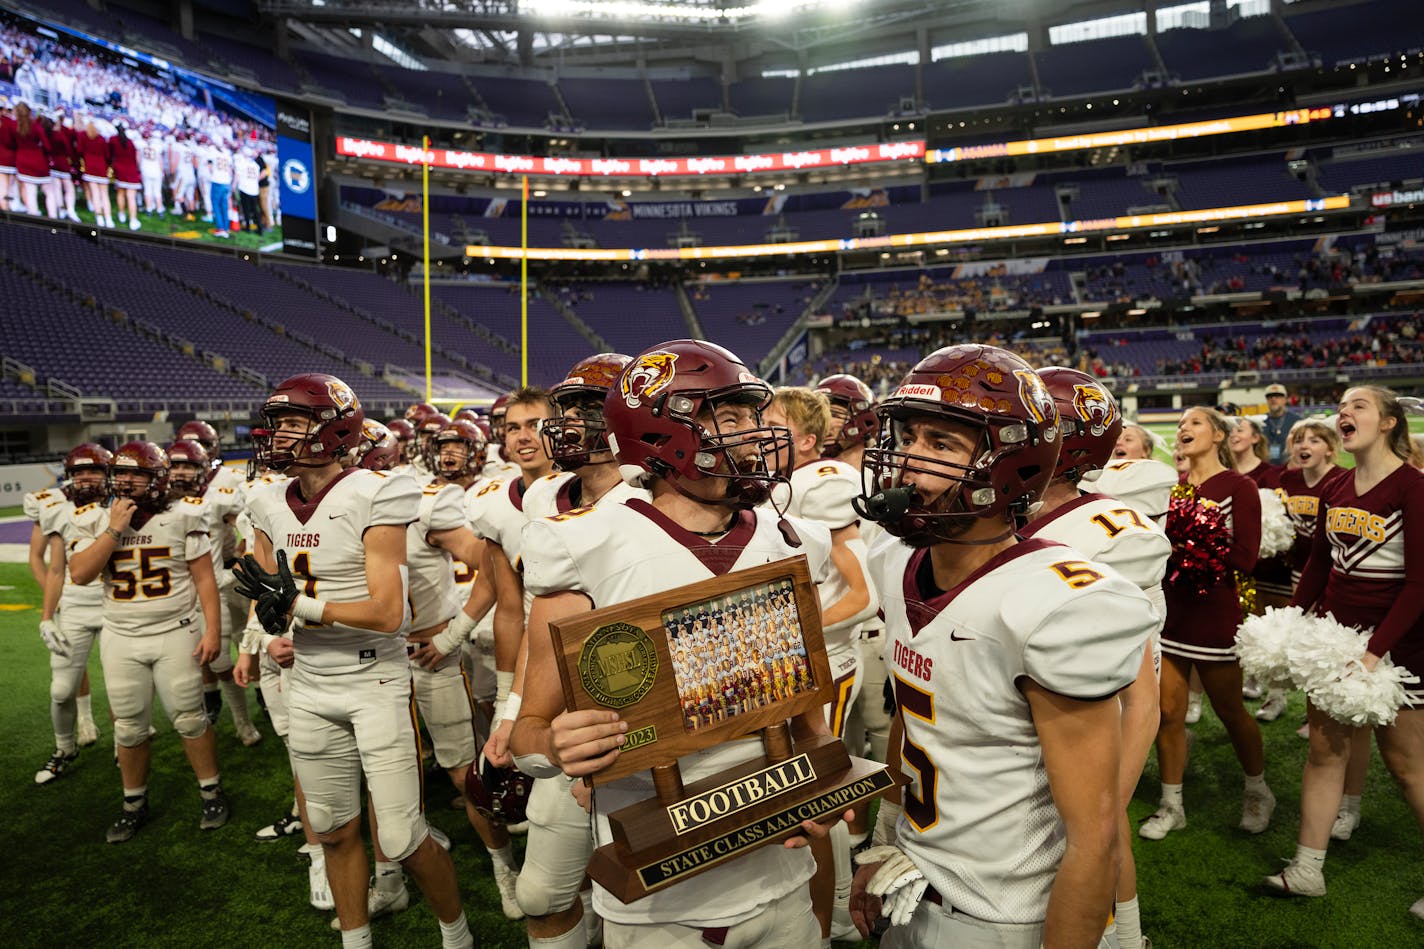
1200 542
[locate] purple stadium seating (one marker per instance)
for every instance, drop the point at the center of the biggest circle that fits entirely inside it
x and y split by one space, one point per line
966 81
523 102
855 93
678 98
441 95
353 80
758 96
1246 46
1382 168
1342 33
749 318
1106 65
554 344
600 103
274 73
1244 181
625 314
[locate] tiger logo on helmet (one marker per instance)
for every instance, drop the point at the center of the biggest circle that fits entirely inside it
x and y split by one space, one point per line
649 374
1095 407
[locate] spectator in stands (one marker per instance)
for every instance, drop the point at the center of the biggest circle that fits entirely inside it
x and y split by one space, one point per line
1277 423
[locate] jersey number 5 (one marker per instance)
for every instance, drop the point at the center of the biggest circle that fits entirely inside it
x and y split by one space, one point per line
156 581
1076 573
920 808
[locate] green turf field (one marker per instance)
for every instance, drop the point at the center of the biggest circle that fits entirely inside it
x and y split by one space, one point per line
195 229
174 885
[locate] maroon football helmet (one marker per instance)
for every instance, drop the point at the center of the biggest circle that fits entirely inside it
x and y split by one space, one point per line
855 397
405 437
496 423
334 419
1090 419
192 452
571 441
499 794
379 450
419 412
87 457
468 414
140 458
201 432
993 392
460 431
653 428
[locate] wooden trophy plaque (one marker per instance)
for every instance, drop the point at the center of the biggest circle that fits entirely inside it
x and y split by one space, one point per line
696 667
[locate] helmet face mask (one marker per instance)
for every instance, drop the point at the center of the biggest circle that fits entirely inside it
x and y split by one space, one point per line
457 451
853 419
688 411
186 480
973 431
578 435
311 420
86 473
140 473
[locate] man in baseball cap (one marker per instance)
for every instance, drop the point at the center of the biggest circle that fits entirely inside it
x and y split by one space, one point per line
1277 423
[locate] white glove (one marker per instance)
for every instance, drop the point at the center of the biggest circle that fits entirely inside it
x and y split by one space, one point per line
54 640
899 883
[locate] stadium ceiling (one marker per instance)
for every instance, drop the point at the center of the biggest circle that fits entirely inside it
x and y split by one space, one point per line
665 32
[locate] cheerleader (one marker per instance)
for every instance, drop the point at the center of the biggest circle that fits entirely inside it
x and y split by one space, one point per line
1250 455
7 158
61 169
31 159
1366 569
1135 442
1201 628
93 151
123 157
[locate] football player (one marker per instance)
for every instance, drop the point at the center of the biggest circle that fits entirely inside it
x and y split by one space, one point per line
1367 579
156 560
1007 657
821 490
434 542
405 436
415 416
560 838
685 421
425 431
1110 531
499 465
1200 631
497 515
342 531
70 639
191 477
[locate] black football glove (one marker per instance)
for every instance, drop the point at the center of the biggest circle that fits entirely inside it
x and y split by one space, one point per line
274 592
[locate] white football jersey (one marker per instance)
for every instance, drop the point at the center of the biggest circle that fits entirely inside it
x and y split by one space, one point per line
822 492
1145 483
434 598
497 514
555 494
57 517
148 590
323 539
1107 530
614 553
979 820
34 501
221 502
497 470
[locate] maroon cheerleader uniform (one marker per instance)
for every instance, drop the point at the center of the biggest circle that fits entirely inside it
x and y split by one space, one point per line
7 145
61 153
1366 565
1303 504
32 154
1202 627
1272 574
93 152
123 157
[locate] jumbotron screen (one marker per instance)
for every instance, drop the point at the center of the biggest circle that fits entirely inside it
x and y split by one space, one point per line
120 131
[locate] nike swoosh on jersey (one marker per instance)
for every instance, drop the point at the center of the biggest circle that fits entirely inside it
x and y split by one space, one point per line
333 517
960 639
384 681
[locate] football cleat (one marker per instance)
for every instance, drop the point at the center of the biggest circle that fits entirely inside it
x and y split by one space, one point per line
1167 819
216 810
1251 690
128 824
57 764
507 880
319 887
86 732
1418 908
288 826
381 902
248 735
1194 707
1297 880
1256 810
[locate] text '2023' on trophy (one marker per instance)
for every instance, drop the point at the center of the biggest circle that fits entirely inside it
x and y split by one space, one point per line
698 666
